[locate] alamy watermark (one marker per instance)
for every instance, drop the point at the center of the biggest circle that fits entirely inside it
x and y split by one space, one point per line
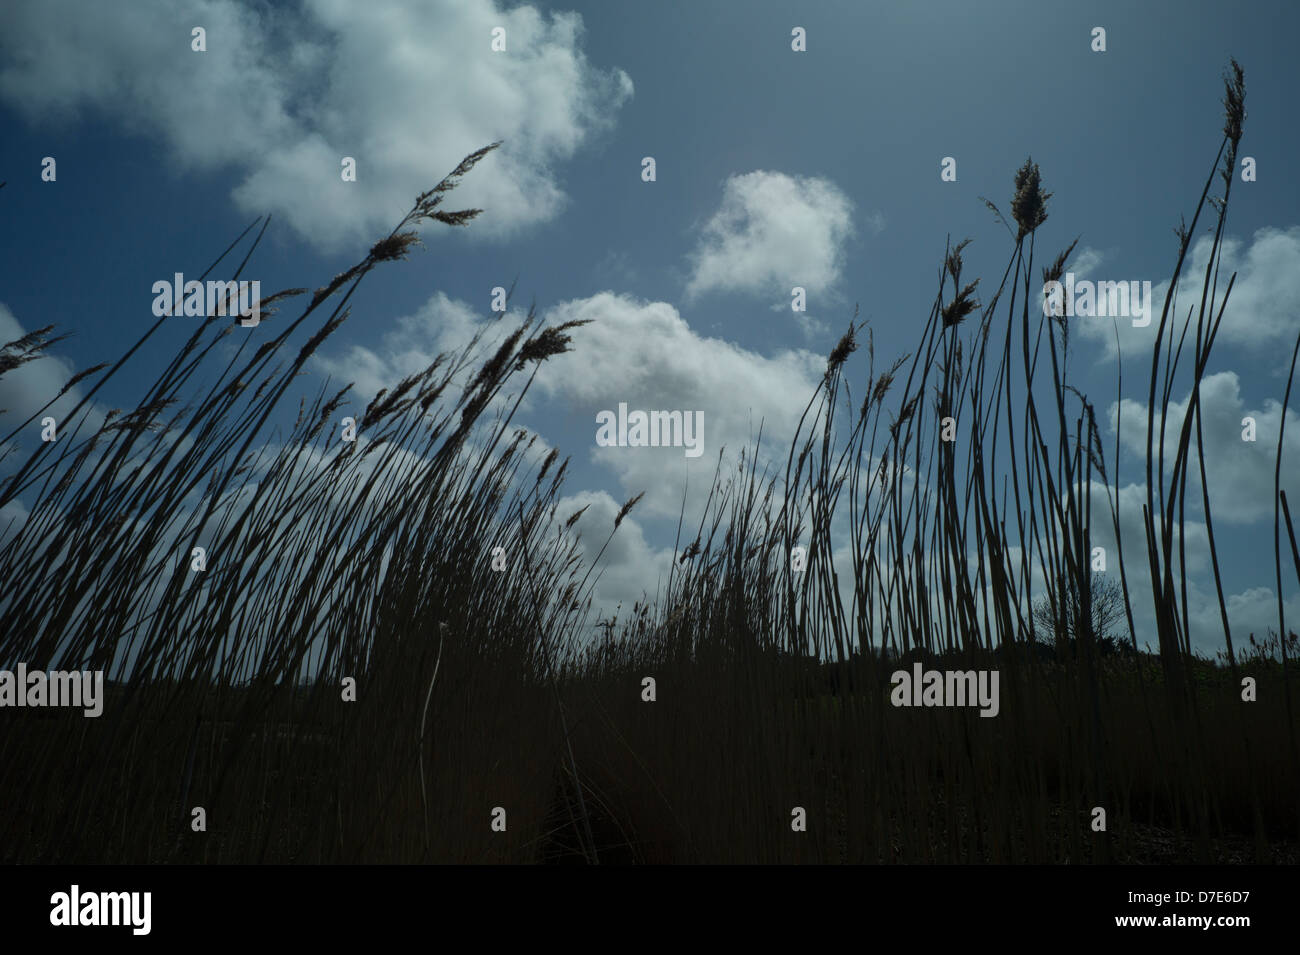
651 429
103 908
1086 299
216 298
924 687
82 688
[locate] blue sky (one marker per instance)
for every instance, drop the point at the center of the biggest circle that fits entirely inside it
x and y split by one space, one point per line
774 168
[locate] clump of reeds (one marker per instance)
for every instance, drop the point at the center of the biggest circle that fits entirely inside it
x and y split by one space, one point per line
946 539
326 560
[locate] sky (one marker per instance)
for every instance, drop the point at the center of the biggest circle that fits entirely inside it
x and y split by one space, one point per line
773 168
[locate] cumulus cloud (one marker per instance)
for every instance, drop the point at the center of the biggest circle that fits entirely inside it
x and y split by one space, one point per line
671 368
630 568
26 389
1263 311
1239 473
771 233
412 344
405 87
1251 610
1086 261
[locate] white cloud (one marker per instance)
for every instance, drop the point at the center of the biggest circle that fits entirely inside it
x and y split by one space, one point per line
671 368
630 569
1253 609
1085 262
441 325
26 389
674 368
771 233
1239 473
13 515
406 87
1263 311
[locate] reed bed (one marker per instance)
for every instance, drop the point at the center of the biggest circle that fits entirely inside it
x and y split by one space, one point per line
478 689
